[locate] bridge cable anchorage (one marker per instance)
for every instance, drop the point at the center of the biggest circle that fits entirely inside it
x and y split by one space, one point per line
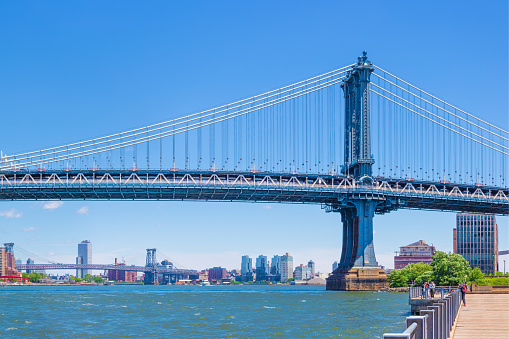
213 120
435 122
434 105
442 101
439 117
193 116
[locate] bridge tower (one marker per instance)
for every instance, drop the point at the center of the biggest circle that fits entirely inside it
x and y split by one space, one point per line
358 269
151 265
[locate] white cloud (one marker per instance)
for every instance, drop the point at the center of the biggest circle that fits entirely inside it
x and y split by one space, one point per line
12 213
51 205
267 207
29 229
83 210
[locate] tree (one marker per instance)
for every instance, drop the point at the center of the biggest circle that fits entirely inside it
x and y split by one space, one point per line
398 278
476 276
449 269
410 273
88 277
35 277
98 280
425 277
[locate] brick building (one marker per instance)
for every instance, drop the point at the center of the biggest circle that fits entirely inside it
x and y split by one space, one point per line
127 276
416 252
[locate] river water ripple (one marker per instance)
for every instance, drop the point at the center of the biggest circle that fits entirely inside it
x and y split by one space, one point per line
247 311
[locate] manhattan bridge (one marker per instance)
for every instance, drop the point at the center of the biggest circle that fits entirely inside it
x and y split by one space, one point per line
357 140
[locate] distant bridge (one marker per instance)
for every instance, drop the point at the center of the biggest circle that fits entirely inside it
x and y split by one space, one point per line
161 270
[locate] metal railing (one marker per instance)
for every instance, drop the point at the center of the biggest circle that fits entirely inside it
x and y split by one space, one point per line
434 322
425 293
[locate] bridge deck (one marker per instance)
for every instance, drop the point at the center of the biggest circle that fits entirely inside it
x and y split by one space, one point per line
485 316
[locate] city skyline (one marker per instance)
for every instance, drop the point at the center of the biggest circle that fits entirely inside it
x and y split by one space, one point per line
75 72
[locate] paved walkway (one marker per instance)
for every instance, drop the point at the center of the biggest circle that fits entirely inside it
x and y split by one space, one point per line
485 316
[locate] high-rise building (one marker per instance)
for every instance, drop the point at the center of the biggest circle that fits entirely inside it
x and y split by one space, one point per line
246 268
262 268
312 265
302 272
286 267
217 273
335 265
8 261
275 266
476 239
416 252
84 257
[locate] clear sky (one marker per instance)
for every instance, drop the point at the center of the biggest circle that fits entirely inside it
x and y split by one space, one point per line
74 70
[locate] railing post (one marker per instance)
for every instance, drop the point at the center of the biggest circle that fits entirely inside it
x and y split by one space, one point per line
442 318
437 333
430 323
421 321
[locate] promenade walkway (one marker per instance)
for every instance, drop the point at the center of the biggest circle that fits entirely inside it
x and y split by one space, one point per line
485 316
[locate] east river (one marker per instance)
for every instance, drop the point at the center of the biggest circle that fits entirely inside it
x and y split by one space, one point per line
198 311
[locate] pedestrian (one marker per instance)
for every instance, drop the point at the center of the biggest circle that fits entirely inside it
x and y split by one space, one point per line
432 289
463 290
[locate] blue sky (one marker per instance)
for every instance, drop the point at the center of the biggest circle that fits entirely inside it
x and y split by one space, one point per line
74 70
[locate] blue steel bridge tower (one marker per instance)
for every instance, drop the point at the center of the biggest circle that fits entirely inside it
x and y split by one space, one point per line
358 268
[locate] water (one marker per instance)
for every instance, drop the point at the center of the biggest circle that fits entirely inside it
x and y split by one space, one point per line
198 311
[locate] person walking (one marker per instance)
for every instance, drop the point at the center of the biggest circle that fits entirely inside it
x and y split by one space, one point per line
463 290
432 289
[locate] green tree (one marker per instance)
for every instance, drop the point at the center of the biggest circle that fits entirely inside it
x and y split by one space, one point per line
424 277
449 269
88 277
476 276
410 273
398 278
75 279
98 280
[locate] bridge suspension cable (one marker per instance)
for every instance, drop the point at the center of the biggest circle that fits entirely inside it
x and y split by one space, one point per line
442 125
442 101
49 155
32 255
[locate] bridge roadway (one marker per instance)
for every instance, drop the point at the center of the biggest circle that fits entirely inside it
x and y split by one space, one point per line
331 191
158 269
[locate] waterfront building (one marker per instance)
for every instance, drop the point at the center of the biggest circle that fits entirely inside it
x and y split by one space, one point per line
302 272
246 268
262 268
217 273
286 267
84 258
275 267
8 261
127 276
416 252
335 265
312 266
476 239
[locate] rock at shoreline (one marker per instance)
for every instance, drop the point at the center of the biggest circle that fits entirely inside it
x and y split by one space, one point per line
394 289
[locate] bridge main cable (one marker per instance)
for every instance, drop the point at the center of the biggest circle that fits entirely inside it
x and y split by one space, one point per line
214 120
185 119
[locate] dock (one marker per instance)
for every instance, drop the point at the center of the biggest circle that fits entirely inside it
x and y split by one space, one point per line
485 316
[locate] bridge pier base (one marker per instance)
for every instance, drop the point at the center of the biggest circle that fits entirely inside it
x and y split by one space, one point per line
358 269
357 279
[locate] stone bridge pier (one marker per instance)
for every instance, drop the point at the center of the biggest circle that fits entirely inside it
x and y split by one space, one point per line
358 269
